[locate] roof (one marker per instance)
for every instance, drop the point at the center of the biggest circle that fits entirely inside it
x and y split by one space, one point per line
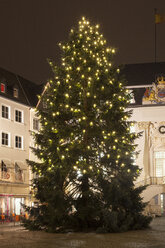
28 90
142 74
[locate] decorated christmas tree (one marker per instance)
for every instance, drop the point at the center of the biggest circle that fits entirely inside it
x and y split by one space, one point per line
86 174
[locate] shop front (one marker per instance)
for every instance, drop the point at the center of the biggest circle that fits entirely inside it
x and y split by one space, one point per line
11 208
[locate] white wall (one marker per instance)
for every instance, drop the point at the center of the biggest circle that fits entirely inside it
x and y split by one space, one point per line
148 120
152 113
11 153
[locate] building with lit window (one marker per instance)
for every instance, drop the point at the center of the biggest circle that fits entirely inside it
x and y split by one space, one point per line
18 97
146 83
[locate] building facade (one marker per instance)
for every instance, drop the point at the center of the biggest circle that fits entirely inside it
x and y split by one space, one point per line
18 98
147 85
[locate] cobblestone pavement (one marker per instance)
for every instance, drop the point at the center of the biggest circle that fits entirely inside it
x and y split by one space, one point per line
17 237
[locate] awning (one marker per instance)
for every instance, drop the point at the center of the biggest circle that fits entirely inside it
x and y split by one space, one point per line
22 165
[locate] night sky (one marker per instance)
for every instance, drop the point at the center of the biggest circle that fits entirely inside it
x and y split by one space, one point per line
31 29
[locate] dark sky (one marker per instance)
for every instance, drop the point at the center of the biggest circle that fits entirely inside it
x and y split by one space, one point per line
31 29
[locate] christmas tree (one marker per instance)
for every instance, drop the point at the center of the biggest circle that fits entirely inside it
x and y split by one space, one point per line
85 177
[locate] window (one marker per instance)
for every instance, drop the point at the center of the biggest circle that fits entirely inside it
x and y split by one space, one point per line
4 171
5 112
44 105
160 164
18 172
15 92
132 128
18 116
18 142
162 201
131 94
3 167
132 97
156 199
5 139
35 124
2 87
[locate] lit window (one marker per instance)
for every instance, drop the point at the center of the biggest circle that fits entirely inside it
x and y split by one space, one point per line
5 112
132 129
160 164
18 116
15 92
5 139
134 159
18 142
2 88
35 124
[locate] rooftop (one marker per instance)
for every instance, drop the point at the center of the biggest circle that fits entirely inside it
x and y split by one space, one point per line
143 73
27 90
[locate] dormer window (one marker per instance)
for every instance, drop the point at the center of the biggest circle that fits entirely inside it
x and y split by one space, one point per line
2 87
15 92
